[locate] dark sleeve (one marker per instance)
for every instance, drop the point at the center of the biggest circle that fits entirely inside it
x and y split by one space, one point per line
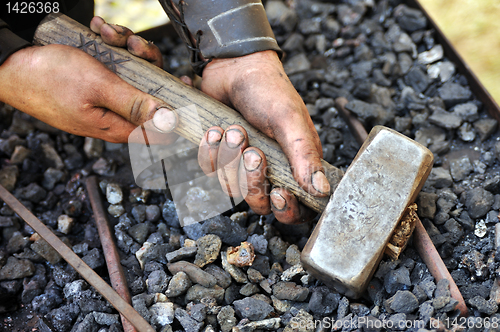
221 28
18 25
9 42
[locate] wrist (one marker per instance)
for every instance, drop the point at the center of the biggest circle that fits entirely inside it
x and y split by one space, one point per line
10 43
257 58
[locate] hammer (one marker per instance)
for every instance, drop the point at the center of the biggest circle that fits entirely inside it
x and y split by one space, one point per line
368 201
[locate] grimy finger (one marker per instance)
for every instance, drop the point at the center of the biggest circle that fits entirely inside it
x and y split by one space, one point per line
111 127
254 185
234 141
271 104
186 79
133 105
209 148
299 145
287 209
96 23
140 47
115 35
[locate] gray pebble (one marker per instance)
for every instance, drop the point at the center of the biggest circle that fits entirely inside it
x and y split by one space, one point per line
139 232
208 249
223 277
73 288
323 301
478 202
226 319
402 302
254 275
235 272
153 213
249 289
259 243
178 285
189 324
198 292
139 213
278 248
94 259
444 119
162 313
439 178
157 281
169 214
467 111
114 193
284 290
453 93
50 177
483 306
227 230
181 254
196 274
252 309
103 318
426 204
397 280
293 255
485 128
261 264
197 311
460 167
33 193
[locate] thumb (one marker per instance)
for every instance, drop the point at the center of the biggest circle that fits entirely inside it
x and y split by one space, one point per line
137 107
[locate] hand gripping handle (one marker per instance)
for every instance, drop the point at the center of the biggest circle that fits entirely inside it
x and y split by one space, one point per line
60 29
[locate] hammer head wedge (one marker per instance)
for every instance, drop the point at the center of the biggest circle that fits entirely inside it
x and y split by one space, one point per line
349 240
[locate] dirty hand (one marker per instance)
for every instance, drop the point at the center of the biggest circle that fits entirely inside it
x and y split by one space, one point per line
257 86
70 90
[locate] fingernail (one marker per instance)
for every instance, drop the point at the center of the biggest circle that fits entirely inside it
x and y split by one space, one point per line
252 160
214 137
278 201
320 182
165 120
144 41
117 28
234 138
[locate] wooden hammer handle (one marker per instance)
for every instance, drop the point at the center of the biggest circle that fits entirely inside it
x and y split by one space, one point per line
60 29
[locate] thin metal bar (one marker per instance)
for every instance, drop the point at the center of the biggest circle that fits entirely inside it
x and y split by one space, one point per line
115 270
76 262
435 264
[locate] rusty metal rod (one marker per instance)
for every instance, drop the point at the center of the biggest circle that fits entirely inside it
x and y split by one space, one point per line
435 264
76 262
115 269
357 128
421 240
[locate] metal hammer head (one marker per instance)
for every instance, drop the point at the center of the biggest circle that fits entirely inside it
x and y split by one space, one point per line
349 240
